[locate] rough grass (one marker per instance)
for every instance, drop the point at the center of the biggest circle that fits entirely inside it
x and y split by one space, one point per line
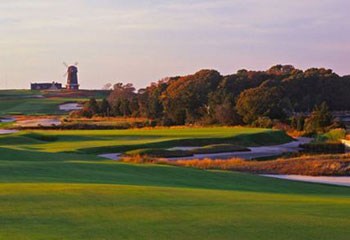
314 165
158 153
335 135
219 148
165 153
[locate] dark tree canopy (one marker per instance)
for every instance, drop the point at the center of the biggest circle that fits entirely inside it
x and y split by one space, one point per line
208 97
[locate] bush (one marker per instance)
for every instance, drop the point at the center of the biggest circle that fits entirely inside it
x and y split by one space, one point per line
263 122
319 120
218 148
334 135
324 148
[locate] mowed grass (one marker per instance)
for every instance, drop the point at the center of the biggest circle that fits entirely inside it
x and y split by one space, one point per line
58 211
33 106
67 193
28 102
112 141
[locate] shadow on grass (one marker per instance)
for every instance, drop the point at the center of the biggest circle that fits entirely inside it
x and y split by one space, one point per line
41 167
245 140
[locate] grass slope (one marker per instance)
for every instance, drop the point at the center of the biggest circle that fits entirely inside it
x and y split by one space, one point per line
107 141
33 106
29 102
51 194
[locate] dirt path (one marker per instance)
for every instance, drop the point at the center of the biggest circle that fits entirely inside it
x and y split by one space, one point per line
341 181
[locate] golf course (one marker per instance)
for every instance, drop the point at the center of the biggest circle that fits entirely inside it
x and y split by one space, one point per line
54 186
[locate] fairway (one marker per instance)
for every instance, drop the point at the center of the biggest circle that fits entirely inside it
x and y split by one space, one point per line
104 141
53 186
27 102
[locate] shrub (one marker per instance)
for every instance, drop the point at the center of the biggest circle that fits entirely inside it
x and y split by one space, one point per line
325 148
263 122
218 148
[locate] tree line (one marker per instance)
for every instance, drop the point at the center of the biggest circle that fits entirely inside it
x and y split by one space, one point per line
246 97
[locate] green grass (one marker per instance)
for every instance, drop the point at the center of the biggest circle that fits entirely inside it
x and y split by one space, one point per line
33 106
108 141
158 152
218 148
26 102
334 135
48 193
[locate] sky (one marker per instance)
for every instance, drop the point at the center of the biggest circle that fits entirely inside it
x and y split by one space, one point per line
142 41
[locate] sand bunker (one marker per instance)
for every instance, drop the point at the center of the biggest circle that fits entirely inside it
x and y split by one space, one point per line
4 131
70 107
111 156
45 122
341 181
7 120
255 152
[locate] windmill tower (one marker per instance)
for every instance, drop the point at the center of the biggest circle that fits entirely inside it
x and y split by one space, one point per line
72 77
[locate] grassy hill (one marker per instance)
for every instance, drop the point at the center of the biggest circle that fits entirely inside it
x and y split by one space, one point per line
52 189
104 141
29 102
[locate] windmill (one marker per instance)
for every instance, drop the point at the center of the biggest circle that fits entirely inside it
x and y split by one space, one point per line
72 76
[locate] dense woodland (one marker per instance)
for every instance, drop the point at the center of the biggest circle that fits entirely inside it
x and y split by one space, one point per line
246 97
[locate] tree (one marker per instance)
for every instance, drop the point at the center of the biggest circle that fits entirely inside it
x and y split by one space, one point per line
107 86
105 108
319 119
122 99
261 102
186 98
90 108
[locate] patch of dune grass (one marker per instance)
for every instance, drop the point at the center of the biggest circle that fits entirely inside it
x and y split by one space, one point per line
219 148
158 153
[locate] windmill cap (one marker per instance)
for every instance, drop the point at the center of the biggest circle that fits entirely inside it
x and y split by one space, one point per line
72 68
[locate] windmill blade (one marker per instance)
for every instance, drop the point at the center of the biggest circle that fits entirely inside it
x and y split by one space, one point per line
65 64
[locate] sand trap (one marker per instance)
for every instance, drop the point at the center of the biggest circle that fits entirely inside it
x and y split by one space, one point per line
341 181
70 106
7 120
3 131
111 156
45 122
255 152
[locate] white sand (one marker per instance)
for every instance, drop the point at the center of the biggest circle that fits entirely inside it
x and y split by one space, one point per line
255 152
7 120
45 122
4 131
70 106
341 181
111 156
